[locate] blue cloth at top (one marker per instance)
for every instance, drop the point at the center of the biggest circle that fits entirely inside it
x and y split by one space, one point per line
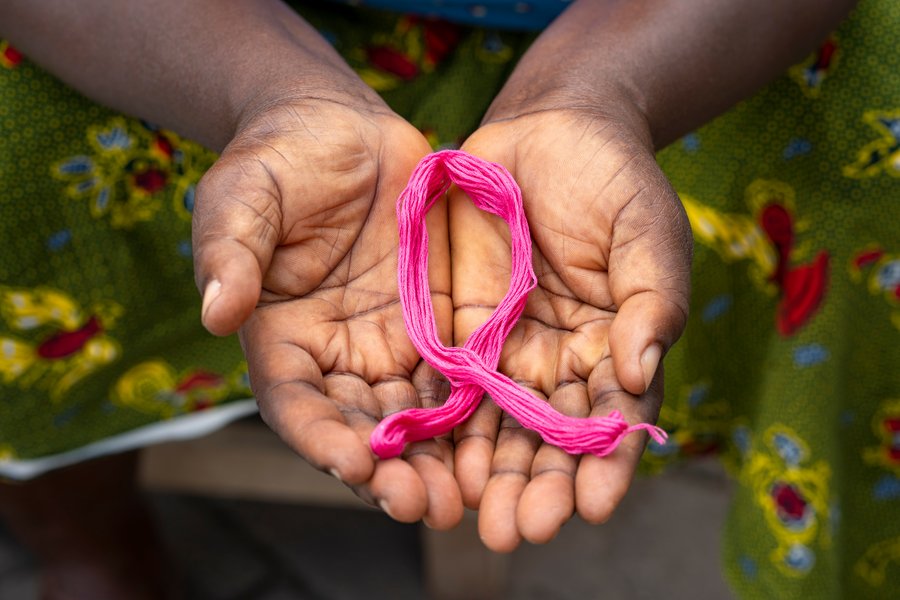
522 15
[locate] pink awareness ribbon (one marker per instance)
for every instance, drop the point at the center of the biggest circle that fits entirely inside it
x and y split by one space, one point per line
472 368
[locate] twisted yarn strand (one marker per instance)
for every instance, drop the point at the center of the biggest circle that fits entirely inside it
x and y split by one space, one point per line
472 369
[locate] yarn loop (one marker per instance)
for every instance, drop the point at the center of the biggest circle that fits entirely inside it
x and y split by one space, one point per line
472 368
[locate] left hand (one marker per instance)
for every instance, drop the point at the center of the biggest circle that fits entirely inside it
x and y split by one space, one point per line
612 252
295 242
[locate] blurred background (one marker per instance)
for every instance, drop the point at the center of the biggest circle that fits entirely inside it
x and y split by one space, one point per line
245 519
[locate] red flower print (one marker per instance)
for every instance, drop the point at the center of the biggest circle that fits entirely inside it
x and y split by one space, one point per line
802 287
151 181
789 502
66 343
392 61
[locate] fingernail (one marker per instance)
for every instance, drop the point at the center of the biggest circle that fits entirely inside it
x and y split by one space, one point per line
649 363
212 291
385 507
336 475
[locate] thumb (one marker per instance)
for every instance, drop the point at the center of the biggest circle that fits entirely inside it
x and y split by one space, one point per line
649 276
236 226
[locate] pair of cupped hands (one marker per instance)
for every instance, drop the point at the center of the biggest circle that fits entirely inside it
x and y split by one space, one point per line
295 245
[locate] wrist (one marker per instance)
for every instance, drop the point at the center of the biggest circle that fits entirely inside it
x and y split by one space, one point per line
301 81
567 69
609 100
293 65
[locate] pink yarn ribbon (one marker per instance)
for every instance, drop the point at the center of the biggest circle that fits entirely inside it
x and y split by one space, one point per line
472 368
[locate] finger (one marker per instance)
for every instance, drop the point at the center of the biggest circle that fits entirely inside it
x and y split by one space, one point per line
397 489
313 426
444 502
548 500
291 393
475 439
394 486
433 390
235 229
474 443
601 483
510 473
480 258
645 327
431 460
649 277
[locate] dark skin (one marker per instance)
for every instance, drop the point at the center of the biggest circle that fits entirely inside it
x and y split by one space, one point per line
294 226
327 348
612 243
294 230
612 282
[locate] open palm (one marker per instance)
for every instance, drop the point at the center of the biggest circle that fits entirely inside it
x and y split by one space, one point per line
612 257
296 244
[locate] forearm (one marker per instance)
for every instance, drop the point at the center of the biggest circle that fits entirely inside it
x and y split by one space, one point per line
678 63
196 66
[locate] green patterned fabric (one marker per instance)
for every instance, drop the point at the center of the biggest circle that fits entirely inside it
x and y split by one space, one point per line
790 365
788 368
99 324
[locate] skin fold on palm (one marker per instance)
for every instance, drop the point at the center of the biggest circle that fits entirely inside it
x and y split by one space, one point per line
612 251
295 245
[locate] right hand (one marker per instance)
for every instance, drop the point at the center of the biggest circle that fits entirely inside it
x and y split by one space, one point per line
612 253
295 245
